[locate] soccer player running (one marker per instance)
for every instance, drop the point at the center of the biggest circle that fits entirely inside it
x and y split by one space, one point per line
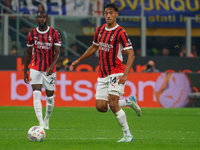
43 45
111 40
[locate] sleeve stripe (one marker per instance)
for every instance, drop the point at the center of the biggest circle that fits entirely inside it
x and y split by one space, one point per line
95 43
125 48
57 44
29 45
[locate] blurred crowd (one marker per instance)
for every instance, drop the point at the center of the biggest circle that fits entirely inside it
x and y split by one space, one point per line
63 64
153 49
180 51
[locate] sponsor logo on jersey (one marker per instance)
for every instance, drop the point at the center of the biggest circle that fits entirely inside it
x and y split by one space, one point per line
105 46
42 45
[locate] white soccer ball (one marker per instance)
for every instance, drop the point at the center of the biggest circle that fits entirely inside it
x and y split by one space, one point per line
36 133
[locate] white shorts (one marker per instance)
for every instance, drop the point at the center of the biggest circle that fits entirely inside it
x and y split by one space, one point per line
40 77
109 85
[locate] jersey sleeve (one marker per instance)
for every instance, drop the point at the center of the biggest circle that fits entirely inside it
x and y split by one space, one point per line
30 41
57 40
125 41
95 39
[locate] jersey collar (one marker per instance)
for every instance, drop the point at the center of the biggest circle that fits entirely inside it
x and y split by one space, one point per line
42 32
112 28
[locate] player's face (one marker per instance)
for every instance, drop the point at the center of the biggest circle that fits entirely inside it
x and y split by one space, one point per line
42 19
110 15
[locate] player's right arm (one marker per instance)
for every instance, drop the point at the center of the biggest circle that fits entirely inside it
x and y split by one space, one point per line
27 56
27 59
93 48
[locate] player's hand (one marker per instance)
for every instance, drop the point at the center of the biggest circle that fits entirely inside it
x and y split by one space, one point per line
26 78
122 79
74 63
49 71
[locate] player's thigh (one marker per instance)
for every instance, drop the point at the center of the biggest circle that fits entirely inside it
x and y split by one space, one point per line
102 89
114 88
37 87
36 79
49 81
49 93
102 94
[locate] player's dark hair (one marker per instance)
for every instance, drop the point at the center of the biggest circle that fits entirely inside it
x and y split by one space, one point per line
42 6
111 5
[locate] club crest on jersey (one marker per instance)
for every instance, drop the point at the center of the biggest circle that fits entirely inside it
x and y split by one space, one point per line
99 35
49 38
111 38
36 37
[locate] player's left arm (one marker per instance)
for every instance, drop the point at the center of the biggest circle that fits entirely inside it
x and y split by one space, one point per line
128 49
129 63
56 57
57 47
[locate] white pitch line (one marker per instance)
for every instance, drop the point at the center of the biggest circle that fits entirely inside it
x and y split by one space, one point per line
97 138
103 130
147 112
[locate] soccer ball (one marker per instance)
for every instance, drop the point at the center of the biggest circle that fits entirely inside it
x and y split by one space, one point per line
36 133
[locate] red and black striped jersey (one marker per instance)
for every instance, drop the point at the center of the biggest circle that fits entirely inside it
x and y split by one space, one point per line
43 47
111 42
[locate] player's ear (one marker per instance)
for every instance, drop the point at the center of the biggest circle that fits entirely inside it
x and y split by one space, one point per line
117 13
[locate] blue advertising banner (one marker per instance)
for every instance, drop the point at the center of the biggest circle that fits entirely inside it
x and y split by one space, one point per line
159 13
60 7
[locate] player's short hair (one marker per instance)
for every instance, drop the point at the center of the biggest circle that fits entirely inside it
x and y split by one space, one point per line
111 5
41 5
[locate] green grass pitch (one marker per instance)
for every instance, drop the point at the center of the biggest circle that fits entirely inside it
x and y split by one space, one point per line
87 129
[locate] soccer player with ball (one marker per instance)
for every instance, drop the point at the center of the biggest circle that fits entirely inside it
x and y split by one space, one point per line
111 40
43 45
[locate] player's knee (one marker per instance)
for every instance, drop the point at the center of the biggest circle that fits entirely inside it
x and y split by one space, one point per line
101 108
36 87
112 105
113 101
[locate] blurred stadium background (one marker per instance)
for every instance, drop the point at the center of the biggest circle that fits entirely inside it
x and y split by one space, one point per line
166 32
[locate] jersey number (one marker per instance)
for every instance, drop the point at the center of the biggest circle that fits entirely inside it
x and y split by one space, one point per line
113 80
53 80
